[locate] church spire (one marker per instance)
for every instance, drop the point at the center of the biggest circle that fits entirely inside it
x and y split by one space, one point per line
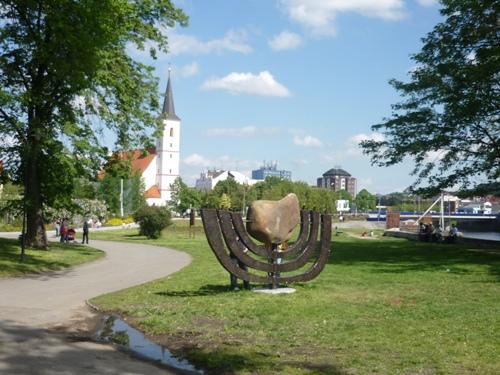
168 104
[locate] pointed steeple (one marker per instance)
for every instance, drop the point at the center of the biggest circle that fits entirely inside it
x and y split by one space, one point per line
168 104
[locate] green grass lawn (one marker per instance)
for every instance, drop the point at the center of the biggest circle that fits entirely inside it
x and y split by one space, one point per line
381 306
58 256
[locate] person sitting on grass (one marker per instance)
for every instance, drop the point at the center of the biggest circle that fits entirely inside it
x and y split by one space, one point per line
452 237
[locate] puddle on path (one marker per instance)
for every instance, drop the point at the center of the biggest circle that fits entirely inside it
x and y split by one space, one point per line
119 332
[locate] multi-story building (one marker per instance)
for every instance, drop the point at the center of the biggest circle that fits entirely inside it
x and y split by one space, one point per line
338 179
271 170
208 180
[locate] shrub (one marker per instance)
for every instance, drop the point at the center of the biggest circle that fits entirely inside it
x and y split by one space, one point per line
114 222
117 221
128 220
152 220
11 227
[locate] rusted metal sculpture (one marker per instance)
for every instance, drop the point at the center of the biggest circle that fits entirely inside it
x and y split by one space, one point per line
239 254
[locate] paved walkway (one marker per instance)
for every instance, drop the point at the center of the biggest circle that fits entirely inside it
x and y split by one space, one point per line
29 305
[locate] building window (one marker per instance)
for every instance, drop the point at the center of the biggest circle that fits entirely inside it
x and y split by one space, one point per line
170 156
170 144
170 171
342 183
171 132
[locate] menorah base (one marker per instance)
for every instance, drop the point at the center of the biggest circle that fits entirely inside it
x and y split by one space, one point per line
274 291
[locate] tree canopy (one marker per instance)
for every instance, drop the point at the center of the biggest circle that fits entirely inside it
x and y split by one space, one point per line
365 201
448 120
65 76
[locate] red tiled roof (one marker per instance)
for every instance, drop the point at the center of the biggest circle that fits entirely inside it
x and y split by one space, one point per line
140 161
152 192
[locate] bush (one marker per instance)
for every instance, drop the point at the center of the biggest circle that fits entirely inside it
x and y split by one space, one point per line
152 220
114 222
11 227
128 220
117 221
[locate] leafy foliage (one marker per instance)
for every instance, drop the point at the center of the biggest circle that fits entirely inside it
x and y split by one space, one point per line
65 75
365 201
152 220
448 122
230 194
225 202
183 197
80 210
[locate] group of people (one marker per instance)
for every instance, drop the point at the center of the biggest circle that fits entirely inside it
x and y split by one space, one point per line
66 234
430 233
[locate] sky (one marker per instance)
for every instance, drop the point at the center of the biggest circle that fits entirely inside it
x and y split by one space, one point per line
299 82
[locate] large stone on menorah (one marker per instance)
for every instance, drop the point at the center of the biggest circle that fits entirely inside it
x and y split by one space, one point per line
273 222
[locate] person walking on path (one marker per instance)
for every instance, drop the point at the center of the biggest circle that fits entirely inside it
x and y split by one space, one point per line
85 237
63 231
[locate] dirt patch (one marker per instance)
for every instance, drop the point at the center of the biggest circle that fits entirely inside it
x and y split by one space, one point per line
208 322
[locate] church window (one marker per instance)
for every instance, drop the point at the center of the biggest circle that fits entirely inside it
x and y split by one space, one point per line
171 132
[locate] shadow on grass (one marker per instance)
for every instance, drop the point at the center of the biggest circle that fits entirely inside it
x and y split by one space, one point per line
206 290
34 267
399 256
134 236
224 360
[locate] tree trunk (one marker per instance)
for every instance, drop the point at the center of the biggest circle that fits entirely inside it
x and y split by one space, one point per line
36 236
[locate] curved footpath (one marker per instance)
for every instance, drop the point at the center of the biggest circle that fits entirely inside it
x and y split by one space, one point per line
33 307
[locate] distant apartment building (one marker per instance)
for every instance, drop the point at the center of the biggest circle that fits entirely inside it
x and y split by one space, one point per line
338 179
208 180
271 170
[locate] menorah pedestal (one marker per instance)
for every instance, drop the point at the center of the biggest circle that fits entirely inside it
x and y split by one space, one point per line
274 291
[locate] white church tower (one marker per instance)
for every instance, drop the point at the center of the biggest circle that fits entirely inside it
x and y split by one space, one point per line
167 147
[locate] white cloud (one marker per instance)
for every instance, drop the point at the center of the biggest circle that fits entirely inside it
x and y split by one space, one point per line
285 40
435 155
262 84
307 141
196 160
318 16
427 3
375 136
240 132
189 70
352 144
233 40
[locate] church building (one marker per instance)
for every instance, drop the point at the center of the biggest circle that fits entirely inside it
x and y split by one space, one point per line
160 167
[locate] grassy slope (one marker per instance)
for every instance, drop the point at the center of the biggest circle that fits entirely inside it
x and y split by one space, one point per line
59 256
383 306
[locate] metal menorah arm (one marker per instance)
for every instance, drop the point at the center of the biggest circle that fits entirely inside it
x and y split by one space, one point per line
237 248
214 222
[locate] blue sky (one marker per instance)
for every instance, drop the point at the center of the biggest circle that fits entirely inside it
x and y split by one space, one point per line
294 81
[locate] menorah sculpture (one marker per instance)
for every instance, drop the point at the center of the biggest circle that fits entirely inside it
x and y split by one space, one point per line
237 252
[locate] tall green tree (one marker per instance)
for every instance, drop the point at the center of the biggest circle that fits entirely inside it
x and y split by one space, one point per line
365 200
64 74
183 197
117 171
233 190
448 120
